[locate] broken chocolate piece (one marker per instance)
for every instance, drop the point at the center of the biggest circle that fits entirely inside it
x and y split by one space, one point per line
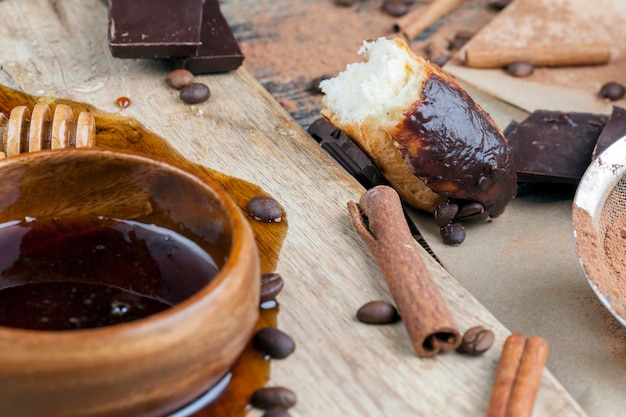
154 28
614 129
552 146
345 151
219 51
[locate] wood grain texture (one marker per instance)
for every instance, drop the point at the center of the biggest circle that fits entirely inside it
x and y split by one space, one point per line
340 367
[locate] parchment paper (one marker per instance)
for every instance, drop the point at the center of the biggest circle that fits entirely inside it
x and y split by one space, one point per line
552 22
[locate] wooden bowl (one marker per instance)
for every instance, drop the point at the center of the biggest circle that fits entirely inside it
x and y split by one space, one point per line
153 365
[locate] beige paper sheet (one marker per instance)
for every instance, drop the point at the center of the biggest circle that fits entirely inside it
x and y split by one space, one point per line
552 22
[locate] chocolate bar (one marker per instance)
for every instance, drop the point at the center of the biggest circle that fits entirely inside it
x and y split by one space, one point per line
154 28
614 129
345 151
219 50
552 146
193 32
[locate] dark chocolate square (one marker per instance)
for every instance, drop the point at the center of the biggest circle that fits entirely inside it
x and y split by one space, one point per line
614 129
219 51
154 28
552 146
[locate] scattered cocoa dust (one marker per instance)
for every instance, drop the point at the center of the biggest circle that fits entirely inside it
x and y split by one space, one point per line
603 258
614 332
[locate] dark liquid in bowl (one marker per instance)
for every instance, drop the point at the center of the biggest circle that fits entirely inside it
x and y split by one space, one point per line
80 273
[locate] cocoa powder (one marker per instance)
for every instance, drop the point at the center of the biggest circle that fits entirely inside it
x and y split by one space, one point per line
603 257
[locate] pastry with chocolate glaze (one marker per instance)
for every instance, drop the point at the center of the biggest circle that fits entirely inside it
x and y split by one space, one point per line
423 131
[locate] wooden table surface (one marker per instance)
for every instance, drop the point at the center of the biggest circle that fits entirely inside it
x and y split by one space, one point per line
340 367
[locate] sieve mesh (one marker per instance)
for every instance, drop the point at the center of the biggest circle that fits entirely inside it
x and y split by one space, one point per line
614 207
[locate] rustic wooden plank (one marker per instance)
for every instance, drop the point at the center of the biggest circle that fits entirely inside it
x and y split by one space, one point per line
340 367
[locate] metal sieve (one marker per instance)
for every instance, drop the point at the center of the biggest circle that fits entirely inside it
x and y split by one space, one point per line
601 194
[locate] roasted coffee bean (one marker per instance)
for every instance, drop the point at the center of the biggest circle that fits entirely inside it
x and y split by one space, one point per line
345 2
273 342
446 212
520 69
452 233
276 412
378 312
476 340
612 91
469 210
271 285
395 8
265 209
267 398
179 78
499 4
315 84
195 93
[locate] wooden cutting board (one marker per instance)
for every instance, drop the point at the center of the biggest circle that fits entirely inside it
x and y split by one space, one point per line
340 367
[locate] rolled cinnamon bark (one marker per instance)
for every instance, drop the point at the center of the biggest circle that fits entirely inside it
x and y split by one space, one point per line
518 376
379 220
418 20
539 56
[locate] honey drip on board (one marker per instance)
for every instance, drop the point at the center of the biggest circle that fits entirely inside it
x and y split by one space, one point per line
115 132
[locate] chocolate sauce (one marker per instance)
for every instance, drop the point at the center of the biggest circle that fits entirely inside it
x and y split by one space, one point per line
251 370
455 149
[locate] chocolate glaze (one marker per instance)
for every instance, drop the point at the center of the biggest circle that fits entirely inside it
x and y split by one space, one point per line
453 145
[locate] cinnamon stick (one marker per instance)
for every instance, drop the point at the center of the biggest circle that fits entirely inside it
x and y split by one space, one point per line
418 20
379 220
518 376
539 56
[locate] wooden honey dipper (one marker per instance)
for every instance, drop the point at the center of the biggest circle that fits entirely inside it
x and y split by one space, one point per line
25 132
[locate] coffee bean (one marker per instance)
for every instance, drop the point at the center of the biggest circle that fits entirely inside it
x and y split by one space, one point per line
395 8
476 341
612 91
377 312
267 398
520 69
276 412
470 210
446 212
315 84
265 209
452 234
179 78
195 93
273 342
271 285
